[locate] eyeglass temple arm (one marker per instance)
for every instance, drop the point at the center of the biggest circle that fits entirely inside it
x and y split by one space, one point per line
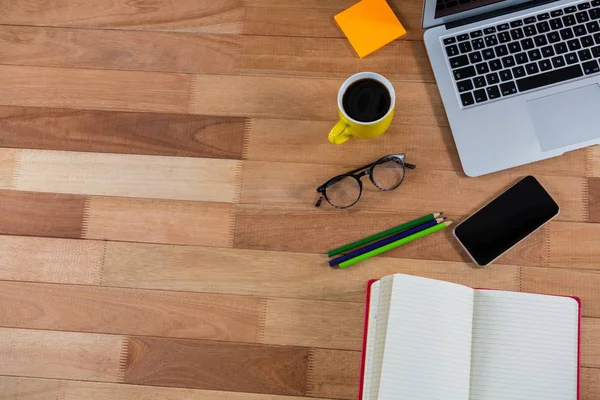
318 203
410 166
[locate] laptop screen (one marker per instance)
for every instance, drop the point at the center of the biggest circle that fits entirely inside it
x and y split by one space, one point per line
449 7
438 12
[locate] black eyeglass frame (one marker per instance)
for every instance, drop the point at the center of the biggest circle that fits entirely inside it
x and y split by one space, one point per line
358 173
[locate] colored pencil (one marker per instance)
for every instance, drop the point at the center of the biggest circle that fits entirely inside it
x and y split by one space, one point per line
377 236
395 244
383 242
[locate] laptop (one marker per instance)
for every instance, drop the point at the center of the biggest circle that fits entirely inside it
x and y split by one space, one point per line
519 79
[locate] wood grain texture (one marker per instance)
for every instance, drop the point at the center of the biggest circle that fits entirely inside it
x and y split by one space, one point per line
200 16
14 388
574 245
334 374
8 160
129 311
292 275
590 383
217 366
120 50
41 214
287 184
429 147
159 221
302 98
594 188
175 178
93 89
50 260
590 342
594 161
118 132
330 57
66 355
284 229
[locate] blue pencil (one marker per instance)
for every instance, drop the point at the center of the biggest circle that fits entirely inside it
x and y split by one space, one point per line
383 242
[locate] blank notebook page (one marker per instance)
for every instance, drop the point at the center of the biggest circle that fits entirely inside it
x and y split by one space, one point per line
427 351
524 347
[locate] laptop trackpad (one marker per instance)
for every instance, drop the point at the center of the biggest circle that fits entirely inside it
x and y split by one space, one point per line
566 118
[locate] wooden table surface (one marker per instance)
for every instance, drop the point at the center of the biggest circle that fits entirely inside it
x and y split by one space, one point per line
158 166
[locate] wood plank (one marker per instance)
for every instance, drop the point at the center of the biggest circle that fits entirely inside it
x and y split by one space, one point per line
331 57
14 388
93 89
305 276
594 188
573 245
287 184
583 284
8 160
590 383
303 98
50 260
337 325
159 221
119 132
174 178
334 374
200 16
128 311
590 342
285 229
217 366
41 214
430 147
594 161
155 51
66 355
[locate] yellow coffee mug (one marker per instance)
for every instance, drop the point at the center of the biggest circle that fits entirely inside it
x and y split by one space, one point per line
348 127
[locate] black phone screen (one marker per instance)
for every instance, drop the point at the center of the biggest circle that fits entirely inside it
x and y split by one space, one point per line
506 220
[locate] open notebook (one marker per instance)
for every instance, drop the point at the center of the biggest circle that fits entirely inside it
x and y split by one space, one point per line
427 339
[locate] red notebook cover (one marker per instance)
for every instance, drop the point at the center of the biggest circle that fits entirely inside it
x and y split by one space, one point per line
366 325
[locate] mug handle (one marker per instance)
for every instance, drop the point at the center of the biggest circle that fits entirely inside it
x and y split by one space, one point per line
339 133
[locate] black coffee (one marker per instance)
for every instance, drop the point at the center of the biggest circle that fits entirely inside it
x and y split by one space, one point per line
366 100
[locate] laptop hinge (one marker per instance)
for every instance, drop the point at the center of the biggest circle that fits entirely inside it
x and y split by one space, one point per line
497 13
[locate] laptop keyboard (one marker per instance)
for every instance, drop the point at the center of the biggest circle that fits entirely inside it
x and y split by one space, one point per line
525 54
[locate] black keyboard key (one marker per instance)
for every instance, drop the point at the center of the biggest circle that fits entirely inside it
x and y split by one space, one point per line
476 34
596 51
595 3
547 51
590 67
518 72
579 30
571 9
482 68
488 54
459 61
521 58
514 47
508 62
502 27
571 58
491 40
545 65
556 23
587 41
475 57
582 17
501 50
558 62
532 68
463 37
449 40
465 85
504 37
594 13
548 78
597 38
517 34
583 6
467 99
568 20
464 72
534 54
505 75
452 50
543 17
567 34
480 96
540 40
477 44
465 47
479 81
573 44
493 92
527 44
556 13
529 20
489 30
553 37
495 65
543 27
584 55
516 23
593 27
508 88
492 78
530 30
560 48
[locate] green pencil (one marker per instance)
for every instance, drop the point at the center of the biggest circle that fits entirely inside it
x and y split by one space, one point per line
383 234
395 244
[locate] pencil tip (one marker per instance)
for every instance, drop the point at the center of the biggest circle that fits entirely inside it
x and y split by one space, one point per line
448 223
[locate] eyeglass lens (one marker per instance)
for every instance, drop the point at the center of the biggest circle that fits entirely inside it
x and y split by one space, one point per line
388 174
344 192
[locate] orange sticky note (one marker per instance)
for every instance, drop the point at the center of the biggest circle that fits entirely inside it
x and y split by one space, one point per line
369 25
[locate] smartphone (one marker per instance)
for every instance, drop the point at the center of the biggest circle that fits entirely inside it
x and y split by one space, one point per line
497 227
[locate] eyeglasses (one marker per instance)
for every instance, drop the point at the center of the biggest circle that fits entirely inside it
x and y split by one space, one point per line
344 190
